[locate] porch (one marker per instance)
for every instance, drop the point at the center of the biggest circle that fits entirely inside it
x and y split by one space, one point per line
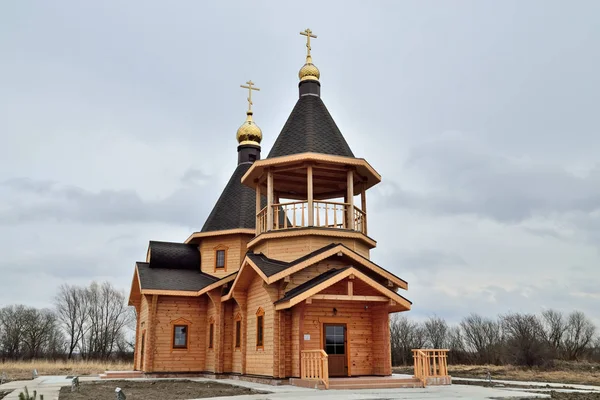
431 368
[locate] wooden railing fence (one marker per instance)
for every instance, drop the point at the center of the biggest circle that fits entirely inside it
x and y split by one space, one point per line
314 366
430 363
325 214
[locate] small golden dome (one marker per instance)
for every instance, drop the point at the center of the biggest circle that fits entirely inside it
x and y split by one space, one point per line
249 132
309 71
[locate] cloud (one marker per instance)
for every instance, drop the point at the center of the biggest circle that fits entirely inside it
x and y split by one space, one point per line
458 176
27 200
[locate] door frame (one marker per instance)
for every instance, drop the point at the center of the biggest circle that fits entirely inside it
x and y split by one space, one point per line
339 321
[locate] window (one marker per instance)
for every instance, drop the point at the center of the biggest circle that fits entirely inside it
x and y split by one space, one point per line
220 259
180 336
260 328
211 335
238 334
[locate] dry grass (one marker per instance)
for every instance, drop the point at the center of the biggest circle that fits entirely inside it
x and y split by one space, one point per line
573 373
16 370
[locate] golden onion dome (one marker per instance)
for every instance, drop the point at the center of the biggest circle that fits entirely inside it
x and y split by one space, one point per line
249 132
309 71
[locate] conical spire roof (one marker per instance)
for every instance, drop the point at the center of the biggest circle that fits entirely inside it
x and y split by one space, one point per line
310 128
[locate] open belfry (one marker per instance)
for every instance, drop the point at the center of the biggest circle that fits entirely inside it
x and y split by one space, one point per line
279 283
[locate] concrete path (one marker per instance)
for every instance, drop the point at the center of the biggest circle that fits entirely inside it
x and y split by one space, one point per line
542 385
50 386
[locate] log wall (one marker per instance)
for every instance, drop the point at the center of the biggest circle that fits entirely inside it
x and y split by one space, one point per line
176 311
236 248
290 249
259 361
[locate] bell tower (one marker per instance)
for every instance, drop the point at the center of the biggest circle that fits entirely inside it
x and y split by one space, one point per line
314 185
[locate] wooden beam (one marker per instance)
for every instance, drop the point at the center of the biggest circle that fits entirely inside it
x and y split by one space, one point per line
343 297
257 208
363 205
350 201
309 188
269 200
350 288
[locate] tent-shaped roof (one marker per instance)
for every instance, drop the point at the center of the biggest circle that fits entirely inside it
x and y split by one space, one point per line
236 207
310 129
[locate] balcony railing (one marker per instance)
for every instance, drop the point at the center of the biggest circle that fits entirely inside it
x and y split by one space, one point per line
325 214
430 363
314 366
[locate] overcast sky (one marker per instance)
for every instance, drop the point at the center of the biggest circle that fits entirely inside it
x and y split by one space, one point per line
118 122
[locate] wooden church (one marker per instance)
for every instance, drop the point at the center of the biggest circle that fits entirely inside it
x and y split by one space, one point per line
279 283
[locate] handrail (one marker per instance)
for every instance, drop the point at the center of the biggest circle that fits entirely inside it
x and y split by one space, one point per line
324 214
430 363
314 366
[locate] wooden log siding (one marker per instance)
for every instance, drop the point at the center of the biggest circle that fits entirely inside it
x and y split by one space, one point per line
235 246
228 336
288 250
237 353
143 324
211 315
380 322
259 361
170 309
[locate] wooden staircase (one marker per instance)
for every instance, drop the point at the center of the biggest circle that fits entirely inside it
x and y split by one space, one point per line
374 382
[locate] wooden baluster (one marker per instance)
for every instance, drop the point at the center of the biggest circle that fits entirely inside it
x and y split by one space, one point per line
318 214
326 215
294 211
335 211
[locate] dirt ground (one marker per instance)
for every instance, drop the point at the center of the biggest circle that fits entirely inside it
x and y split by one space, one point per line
163 389
563 372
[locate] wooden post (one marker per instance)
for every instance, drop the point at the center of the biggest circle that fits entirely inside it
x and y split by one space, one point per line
258 224
149 360
269 200
309 189
363 204
350 201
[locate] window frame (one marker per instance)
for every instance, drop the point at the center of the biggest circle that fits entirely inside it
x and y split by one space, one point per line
260 328
224 249
175 346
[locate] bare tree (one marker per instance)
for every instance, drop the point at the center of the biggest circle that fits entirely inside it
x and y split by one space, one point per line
12 323
108 316
72 312
483 337
525 340
405 336
436 330
555 327
578 336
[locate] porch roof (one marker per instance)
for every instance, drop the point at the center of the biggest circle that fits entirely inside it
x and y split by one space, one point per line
315 285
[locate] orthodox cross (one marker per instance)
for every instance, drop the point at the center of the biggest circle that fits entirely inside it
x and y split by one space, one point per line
308 34
250 89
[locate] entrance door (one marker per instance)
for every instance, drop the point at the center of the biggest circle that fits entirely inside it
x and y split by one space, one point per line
335 347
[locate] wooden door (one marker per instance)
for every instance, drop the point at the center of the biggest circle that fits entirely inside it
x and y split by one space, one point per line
335 345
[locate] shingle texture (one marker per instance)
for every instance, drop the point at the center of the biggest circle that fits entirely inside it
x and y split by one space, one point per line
236 207
172 279
298 290
310 128
267 265
174 255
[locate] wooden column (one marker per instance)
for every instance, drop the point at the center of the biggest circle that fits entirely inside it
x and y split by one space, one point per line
138 334
363 205
270 200
350 201
309 190
151 332
240 298
258 208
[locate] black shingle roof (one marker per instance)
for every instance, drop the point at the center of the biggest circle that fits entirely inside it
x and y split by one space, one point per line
174 255
298 290
172 279
236 207
267 265
310 128
271 266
